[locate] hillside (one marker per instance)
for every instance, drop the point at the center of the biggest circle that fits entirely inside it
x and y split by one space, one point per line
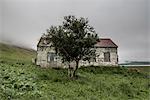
21 80
11 52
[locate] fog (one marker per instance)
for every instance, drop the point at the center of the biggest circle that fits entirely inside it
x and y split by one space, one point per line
126 22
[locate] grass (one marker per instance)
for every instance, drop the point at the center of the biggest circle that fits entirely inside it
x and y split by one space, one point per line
145 69
22 80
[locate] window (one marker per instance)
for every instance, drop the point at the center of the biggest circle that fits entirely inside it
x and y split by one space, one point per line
50 56
106 56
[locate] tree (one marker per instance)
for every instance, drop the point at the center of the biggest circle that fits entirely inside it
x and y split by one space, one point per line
74 40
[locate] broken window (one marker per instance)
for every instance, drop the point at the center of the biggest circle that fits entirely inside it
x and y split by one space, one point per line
106 56
50 56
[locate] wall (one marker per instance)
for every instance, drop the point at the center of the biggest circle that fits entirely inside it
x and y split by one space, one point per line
42 58
100 57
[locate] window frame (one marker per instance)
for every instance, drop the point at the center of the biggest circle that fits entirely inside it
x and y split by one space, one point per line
51 57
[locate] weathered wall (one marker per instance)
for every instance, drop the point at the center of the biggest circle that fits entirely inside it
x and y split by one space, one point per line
100 57
42 58
113 56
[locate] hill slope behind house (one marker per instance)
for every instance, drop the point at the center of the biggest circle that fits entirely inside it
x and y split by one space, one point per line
25 81
15 53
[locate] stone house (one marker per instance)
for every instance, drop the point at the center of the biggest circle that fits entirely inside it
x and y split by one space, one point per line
106 54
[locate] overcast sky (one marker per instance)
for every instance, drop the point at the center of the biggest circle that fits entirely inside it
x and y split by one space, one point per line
126 22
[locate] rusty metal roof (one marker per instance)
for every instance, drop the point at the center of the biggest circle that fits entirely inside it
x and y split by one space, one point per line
106 42
103 42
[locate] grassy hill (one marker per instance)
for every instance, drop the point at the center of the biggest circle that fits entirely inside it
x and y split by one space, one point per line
21 80
15 53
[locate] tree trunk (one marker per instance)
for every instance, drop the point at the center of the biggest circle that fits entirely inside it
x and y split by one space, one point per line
75 69
69 71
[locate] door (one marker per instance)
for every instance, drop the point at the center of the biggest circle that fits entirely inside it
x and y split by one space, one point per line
106 56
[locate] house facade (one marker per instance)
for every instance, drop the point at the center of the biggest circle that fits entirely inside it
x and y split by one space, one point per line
106 54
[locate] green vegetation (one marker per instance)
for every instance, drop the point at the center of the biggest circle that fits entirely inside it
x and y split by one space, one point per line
144 69
21 80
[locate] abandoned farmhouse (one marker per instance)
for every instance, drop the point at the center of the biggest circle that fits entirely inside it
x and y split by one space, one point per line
106 54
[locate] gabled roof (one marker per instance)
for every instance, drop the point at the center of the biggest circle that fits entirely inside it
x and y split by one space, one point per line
103 42
106 42
44 41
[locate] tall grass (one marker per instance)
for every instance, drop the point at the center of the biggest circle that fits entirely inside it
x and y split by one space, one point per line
27 81
21 80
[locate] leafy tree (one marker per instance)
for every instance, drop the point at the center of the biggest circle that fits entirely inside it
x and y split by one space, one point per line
74 40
